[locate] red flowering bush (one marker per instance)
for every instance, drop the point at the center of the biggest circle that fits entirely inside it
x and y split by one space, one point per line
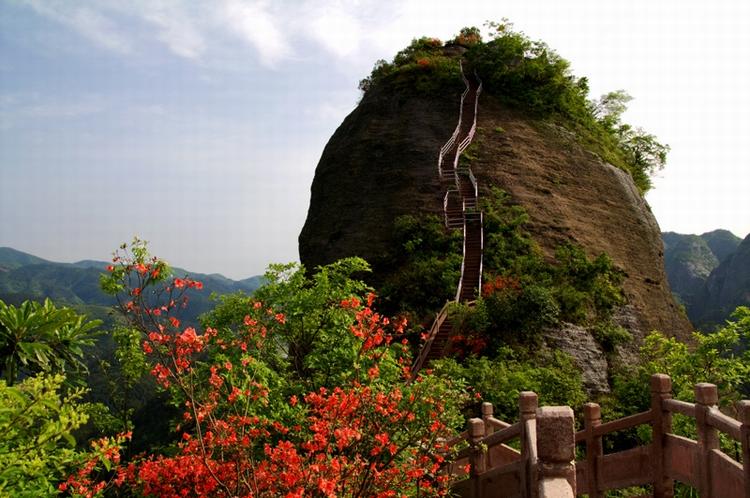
255 424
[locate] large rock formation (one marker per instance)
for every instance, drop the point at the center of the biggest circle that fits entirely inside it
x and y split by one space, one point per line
381 163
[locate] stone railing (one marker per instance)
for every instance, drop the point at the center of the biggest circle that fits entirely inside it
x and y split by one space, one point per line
545 465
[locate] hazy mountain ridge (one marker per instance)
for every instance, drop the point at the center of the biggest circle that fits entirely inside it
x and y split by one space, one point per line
709 273
25 276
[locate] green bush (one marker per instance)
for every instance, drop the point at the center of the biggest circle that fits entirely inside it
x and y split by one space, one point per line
550 374
37 449
423 270
525 292
420 68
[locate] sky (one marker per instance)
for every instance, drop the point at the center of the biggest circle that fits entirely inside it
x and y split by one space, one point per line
198 125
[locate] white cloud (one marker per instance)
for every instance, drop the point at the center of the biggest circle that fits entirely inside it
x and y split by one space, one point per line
258 27
87 22
335 27
176 28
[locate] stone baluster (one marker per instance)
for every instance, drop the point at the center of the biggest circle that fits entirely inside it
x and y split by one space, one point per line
743 414
478 458
528 402
487 413
592 415
556 452
706 397
661 424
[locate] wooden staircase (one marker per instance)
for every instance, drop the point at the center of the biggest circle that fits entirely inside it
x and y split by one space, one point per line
461 211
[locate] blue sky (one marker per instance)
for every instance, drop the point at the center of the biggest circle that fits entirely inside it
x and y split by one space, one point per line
198 125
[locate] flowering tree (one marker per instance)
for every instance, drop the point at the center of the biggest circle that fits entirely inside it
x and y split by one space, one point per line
256 421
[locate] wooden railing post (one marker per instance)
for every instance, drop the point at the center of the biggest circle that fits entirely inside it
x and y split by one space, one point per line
487 413
592 415
528 403
661 424
556 452
478 458
743 414
706 397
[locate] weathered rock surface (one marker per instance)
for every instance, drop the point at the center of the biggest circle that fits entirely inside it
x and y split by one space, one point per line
587 354
380 163
571 195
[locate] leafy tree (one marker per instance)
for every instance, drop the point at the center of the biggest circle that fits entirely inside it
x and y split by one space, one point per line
609 108
468 36
38 337
304 346
37 449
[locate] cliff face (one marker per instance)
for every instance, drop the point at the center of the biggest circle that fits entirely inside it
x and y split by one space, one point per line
378 165
381 163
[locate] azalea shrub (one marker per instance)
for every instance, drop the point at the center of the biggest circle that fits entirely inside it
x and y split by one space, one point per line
253 422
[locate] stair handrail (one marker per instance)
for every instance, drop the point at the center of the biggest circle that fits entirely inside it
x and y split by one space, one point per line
439 319
463 264
473 180
464 144
446 199
452 140
481 250
461 147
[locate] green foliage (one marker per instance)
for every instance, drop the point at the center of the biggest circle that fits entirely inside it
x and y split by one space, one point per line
716 358
37 449
610 335
524 292
550 374
420 68
424 269
468 37
527 73
37 337
313 344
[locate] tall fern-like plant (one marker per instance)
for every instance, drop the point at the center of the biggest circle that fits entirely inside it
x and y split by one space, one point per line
39 337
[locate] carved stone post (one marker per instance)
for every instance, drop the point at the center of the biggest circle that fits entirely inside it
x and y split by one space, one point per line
706 397
592 414
487 412
661 424
527 404
478 457
556 452
743 414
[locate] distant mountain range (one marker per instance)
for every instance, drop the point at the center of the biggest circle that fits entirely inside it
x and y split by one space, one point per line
708 273
25 276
